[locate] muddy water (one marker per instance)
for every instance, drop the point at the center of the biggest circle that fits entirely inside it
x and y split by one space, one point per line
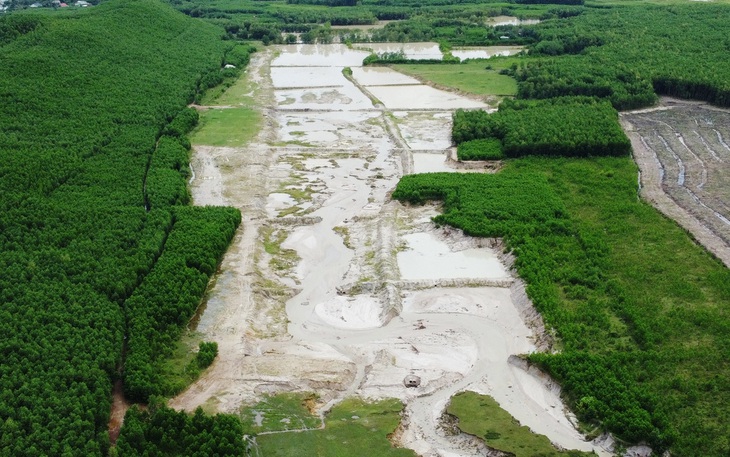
421 97
358 321
430 163
411 50
381 76
486 52
510 20
287 77
427 257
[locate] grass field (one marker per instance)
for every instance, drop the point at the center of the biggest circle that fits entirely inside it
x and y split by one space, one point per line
288 411
180 370
352 429
481 416
472 76
232 127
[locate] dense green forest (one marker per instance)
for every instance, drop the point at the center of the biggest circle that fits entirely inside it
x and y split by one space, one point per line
565 126
628 53
94 166
163 432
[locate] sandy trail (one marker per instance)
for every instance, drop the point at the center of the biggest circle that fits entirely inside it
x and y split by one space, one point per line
341 320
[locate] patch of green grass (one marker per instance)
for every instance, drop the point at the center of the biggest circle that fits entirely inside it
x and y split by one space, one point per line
288 411
353 428
481 416
281 259
232 127
180 369
231 92
472 76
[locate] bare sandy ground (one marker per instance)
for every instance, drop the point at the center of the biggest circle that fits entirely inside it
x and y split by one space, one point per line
684 160
329 311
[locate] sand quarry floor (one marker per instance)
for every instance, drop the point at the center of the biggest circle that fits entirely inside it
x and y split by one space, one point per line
330 287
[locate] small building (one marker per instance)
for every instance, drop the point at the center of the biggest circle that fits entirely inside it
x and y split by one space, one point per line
412 381
82 3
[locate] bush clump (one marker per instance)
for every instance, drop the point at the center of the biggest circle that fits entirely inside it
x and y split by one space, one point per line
486 149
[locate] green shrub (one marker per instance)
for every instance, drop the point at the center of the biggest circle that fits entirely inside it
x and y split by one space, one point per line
486 149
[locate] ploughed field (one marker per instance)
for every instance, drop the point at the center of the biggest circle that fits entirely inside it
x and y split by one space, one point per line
689 144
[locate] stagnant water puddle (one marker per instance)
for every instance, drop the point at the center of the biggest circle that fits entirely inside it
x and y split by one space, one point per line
485 52
378 292
428 257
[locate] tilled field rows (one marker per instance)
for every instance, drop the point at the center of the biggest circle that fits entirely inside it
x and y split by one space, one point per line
692 146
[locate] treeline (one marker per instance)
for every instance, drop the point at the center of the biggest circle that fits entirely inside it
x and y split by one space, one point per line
626 58
323 2
551 2
460 23
162 431
457 28
92 108
567 126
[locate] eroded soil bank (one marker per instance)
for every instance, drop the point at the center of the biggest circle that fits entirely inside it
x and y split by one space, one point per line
320 291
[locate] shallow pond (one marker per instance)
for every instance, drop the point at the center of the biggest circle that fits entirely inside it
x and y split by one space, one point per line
510 20
486 52
425 131
427 257
411 50
306 77
424 162
319 55
421 97
381 76
342 98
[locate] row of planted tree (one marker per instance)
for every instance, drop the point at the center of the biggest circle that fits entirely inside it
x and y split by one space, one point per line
98 252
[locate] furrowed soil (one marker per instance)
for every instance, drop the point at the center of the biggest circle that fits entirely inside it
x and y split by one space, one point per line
682 149
330 287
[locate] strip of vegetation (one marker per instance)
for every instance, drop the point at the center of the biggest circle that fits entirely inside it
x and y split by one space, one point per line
350 427
433 20
644 338
85 195
481 416
164 432
566 126
399 57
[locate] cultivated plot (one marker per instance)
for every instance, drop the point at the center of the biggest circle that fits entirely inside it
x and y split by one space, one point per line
689 144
